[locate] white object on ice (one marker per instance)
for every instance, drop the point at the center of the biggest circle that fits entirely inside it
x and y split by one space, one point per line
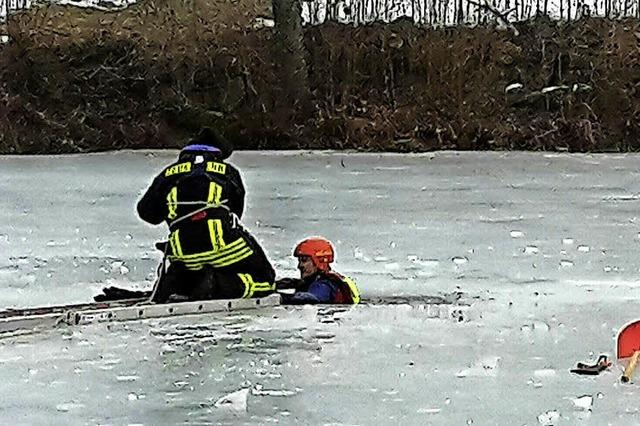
68 406
583 402
259 390
236 401
459 260
484 367
548 418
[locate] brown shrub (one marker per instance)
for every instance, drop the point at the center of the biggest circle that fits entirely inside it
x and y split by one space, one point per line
148 76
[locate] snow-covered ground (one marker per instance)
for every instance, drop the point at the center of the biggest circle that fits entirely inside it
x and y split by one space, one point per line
544 245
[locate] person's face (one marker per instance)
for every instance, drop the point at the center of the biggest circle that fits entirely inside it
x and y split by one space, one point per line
306 267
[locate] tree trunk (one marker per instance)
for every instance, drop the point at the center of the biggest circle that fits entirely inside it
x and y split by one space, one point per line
290 54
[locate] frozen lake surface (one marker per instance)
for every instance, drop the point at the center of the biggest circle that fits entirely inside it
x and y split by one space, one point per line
544 245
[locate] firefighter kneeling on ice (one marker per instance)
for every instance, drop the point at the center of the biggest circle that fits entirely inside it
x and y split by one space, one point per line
318 283
201 198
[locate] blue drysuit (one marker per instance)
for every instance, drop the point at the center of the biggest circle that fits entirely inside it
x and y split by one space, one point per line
320 290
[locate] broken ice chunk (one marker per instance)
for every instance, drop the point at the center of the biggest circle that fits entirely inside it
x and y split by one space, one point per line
549 418
236 401
583 402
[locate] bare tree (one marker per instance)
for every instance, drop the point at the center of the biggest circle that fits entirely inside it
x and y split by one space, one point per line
290 53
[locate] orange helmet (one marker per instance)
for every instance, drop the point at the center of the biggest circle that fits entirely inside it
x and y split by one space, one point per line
318 249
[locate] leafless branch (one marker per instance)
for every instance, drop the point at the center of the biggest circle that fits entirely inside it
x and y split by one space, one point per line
501 16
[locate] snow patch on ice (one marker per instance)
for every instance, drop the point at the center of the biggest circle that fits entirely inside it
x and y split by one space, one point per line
600 283
428 410
260 391
583 402
549 418
127 378
484 367
68 406
545 372
235 401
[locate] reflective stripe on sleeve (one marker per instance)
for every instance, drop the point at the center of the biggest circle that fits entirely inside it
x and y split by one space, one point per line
174 241
215 193
172 203
215 233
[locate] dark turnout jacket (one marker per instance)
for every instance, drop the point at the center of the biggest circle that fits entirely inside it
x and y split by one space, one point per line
193 183
200 196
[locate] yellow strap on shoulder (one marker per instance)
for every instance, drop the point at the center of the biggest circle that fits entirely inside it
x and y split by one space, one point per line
353 288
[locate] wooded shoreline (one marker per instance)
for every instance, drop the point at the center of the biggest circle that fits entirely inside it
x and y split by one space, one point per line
78 80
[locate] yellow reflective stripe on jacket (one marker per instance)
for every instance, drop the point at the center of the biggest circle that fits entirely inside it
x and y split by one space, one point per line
174 241
214 167
233 247
353 288
232 253
215 258
215 261
172 203
215 233
220 255
247 284
233 258
215 193
251 287
178 168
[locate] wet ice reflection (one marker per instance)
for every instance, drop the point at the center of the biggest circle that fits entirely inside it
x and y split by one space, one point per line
207 369
508 220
